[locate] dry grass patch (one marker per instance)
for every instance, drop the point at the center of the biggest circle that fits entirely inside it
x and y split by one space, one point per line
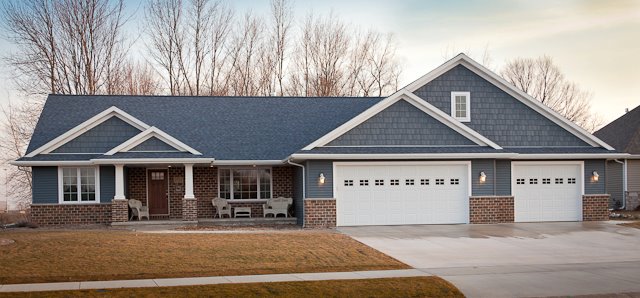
635 224
388 287
54 256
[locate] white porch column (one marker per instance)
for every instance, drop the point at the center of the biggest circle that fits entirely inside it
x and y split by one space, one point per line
119 183
188 181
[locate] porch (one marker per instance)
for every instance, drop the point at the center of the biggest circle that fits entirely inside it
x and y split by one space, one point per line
185 192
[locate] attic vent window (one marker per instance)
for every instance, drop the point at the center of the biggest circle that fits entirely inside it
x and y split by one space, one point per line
461 106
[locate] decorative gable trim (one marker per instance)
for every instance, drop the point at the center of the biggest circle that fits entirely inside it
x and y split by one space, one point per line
150 133
415 101
483 72
86 126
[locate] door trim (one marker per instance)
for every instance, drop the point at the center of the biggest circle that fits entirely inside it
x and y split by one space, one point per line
146 178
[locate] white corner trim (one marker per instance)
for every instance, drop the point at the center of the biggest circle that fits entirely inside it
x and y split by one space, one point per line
87 125
149 133
467 96
415 101
518 94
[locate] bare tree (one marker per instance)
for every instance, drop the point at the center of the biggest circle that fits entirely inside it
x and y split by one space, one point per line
282 16
543 80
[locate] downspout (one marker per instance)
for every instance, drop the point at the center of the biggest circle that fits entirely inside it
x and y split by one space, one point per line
624 182
304 186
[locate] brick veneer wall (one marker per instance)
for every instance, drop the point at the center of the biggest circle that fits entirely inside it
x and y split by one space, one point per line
282 180
319 213
54 214
189 209
176 192
137 184
205 188
595 207
491 209
119 211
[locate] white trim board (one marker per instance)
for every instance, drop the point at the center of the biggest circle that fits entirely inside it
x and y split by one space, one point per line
416 102
477 68
87 125
150 133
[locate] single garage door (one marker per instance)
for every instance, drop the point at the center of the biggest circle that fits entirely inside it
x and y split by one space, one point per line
547 191
401 193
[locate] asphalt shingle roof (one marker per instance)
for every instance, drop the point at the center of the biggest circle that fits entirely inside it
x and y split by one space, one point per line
623 133
224 128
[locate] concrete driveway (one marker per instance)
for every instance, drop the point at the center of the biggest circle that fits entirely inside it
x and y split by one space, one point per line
517 260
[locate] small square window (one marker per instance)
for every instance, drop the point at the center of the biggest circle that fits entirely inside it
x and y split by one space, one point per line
455 181
519 181
364 182
348 183
409 182
379 182
546 180
533 181
559 180
424 181
394 182
439 181
571 180
460 106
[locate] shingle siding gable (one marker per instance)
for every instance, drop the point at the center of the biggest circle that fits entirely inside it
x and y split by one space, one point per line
496 114
401 124
153 144
100 139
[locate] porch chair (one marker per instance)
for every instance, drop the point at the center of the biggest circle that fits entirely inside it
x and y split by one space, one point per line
277 206
138 210
222 207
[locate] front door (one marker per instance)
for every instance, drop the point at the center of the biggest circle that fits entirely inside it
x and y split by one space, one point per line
157 192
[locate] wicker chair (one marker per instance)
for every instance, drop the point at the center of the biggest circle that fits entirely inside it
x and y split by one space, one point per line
277 206
137 210
222 207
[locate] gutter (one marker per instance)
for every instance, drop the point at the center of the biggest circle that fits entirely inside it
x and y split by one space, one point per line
624 183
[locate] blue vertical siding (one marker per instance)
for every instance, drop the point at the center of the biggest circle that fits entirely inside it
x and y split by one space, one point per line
488 187
107 183
315 189
503 177
614 183
593 187
45 185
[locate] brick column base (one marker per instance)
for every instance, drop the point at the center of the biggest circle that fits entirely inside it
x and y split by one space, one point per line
319 213
491 209
189 209
119 210
595 207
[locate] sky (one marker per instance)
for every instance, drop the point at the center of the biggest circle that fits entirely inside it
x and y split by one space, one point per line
594 42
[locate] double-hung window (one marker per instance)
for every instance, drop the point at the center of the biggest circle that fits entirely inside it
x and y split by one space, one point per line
78 185
461 106
245 184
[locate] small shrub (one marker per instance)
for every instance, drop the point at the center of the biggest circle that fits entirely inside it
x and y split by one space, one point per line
23 223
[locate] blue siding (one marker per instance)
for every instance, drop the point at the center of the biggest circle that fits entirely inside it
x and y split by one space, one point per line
298 195
45 185
101 138
503 177
314 189
487 188
591 187
107 183
153 144
494 113
614 183
401 124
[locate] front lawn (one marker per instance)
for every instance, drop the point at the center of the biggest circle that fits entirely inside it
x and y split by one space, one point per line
386 287
635 224
55 256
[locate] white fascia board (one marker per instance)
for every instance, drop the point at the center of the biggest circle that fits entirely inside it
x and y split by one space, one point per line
149 133
249 162
573 156
87 125
413 100
311 156
518 94
44 163
152 161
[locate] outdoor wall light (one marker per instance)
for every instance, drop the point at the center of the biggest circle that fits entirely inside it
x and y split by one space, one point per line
594 176
321 178
483 177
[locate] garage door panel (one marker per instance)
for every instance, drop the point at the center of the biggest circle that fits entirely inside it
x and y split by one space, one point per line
402 193
547 192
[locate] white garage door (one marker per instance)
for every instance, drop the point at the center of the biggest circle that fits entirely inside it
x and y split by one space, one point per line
547 191
401 193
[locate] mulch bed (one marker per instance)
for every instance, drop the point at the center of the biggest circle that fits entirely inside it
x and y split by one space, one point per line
256 227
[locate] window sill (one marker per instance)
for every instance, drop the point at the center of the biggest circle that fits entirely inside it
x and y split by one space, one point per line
78 202
247 201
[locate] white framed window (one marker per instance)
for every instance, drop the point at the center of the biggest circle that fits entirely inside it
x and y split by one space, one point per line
461 106
245 183
78 185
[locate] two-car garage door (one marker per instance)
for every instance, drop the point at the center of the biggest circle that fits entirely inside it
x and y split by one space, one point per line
400 193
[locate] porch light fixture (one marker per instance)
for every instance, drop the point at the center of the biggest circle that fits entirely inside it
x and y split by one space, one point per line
594 176
321 178
483 177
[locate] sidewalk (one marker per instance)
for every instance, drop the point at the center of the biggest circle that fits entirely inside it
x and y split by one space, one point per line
192 281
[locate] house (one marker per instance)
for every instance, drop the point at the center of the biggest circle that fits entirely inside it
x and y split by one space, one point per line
623 179
458 145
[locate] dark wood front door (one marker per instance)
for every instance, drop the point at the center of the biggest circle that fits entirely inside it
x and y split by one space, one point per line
157 192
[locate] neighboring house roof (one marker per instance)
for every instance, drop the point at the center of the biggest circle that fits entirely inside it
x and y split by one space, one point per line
224 128
623 133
